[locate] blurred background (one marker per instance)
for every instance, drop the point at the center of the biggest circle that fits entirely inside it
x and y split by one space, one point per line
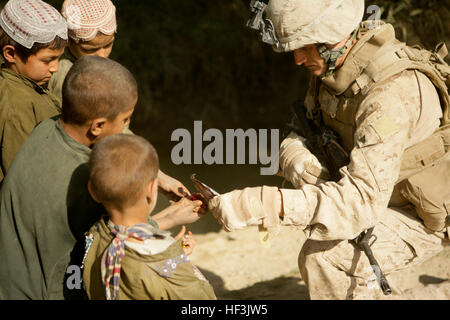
196 60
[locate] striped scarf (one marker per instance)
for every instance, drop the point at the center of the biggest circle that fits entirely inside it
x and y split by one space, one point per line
111 259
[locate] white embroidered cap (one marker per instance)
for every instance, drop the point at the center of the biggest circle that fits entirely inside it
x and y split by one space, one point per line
31 21
85 18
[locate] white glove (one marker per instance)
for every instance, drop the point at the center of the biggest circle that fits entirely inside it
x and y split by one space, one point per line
298 164
249 207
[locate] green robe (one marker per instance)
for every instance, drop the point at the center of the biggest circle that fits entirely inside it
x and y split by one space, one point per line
45 208
23 105
139 274
56 82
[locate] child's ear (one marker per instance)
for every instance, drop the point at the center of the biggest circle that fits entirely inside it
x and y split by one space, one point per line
152 191
9 53
91 192
97 126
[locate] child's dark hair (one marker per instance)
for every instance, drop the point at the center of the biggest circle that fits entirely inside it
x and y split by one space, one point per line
97 87
25 53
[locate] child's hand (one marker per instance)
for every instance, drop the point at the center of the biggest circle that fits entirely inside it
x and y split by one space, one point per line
188 242
185 211
171 188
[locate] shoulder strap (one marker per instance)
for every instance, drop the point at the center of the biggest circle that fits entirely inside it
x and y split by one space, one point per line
397 57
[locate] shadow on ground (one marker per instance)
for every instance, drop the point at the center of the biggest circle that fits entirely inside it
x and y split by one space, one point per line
426 279
286 287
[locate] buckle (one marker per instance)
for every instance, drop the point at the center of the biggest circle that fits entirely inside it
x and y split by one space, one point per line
264 26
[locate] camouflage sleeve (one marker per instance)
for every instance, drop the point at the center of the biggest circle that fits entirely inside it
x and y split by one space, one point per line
385 123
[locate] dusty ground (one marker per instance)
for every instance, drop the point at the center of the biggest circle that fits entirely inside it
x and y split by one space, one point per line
240 268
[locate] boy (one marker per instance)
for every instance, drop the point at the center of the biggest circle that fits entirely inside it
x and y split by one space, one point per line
45 206
128 259
33 36
92 25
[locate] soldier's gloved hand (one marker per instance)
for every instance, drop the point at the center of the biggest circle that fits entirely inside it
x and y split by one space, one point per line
248 207
298 164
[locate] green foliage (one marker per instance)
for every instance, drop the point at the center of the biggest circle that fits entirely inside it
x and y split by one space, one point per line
418 21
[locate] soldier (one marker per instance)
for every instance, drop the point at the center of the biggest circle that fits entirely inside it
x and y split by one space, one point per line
389 107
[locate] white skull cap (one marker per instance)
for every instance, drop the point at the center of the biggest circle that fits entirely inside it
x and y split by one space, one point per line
31 21
303 22
85 18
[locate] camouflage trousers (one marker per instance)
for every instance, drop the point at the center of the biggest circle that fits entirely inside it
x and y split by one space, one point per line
340 270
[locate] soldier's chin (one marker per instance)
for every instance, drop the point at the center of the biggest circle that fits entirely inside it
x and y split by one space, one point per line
316 70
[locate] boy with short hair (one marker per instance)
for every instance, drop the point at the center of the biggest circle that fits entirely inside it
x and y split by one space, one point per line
91 28
33 36
128 259
45 206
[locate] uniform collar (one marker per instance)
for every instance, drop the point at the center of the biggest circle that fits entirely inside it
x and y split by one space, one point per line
359 57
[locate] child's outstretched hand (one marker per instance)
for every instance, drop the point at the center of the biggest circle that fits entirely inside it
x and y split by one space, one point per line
171 187
188 242
186 211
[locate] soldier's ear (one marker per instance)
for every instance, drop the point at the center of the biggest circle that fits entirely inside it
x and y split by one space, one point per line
10 54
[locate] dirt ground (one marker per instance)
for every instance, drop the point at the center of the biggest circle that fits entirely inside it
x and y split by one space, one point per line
239 267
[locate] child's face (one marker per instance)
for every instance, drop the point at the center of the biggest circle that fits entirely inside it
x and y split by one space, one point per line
100 46
118 124
39 67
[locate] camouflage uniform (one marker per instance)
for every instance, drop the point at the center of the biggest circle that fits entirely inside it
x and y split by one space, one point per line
376 127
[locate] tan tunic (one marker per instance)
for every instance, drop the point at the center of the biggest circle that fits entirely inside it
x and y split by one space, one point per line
139 277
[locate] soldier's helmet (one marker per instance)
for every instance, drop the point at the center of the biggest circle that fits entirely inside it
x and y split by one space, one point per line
303 22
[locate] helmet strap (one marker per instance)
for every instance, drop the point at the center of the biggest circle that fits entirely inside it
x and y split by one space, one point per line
332 55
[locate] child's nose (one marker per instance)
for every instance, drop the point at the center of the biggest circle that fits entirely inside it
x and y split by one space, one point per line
54 66
299 56
103 53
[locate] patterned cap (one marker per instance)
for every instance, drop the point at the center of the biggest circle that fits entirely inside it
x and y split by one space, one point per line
85 18
30 21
